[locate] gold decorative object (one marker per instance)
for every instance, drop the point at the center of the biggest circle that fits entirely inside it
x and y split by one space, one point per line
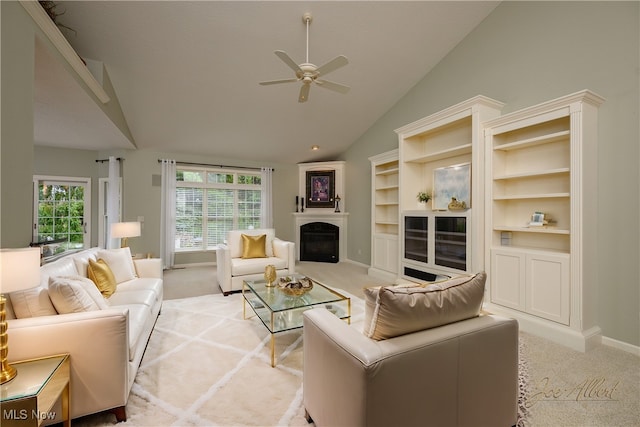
294 287
456 205
270 275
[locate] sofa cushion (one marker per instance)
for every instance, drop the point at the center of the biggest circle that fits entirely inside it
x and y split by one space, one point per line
32 303
120 262
100 273
254 246
397 310
243 267
234 240
81 262
72 294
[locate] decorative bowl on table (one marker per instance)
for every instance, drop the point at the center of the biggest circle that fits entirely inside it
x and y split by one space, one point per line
295 286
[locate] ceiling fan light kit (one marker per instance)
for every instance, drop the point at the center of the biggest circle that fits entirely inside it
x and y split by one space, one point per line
308 73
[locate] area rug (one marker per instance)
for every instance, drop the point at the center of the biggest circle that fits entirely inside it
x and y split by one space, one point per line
206 366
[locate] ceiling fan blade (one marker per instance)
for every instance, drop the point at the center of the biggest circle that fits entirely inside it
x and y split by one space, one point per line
304 92
287 60
275 82
333 86
334 64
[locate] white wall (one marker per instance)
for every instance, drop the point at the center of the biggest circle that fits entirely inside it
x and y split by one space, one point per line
522 54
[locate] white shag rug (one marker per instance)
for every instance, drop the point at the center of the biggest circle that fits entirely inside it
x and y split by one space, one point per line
206 366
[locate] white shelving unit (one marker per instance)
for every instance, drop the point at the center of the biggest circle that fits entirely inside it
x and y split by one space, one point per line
384 215
543 159
450 137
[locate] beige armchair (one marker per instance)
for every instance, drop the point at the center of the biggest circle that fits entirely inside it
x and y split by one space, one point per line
232 268
461 374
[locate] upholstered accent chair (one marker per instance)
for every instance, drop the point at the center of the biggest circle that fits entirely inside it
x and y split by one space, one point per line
415 360
245 255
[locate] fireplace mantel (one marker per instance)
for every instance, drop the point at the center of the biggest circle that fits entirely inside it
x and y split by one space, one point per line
338 219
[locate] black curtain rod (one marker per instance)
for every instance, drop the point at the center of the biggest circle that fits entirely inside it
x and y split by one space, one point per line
217 166
106 160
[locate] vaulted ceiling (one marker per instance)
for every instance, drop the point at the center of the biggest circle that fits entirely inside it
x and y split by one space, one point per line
187 73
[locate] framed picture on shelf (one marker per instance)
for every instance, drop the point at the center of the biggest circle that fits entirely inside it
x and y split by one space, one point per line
320 189
452 182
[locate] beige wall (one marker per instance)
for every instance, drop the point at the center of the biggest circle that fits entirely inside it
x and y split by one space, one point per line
16 143
522 54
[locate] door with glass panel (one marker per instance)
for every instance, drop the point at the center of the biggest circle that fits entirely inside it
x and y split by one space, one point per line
62 212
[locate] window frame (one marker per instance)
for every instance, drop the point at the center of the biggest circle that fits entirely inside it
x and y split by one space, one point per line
69 181
205 186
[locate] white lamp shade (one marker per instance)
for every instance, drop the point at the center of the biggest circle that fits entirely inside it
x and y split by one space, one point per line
125 229
19 269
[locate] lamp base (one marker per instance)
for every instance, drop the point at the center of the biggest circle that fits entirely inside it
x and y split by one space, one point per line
8 372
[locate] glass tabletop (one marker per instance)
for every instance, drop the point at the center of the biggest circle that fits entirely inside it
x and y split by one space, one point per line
32 376
280 311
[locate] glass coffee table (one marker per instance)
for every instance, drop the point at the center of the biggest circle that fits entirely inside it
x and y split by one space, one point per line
279 311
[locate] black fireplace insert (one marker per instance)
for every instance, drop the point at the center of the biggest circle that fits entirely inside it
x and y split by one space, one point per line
319 242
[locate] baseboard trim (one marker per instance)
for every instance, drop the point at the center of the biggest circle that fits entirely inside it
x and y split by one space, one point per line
382 274
621 345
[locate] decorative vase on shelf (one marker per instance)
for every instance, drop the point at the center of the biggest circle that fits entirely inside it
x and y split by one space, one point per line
423 198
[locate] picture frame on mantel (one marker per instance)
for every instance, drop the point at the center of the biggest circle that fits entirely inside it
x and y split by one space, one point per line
320 189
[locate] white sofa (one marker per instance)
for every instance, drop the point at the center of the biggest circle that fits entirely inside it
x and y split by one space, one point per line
105 344
232 269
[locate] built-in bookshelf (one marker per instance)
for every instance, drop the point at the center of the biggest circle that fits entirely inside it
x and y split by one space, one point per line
384 214
542 183
449 138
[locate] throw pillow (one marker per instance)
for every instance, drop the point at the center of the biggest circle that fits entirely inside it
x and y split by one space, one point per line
32 303
100 273
254 246
234 240
91 288
397 310
120 262
70 296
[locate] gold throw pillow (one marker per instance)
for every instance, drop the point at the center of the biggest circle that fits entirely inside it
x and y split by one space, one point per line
100 273
254 246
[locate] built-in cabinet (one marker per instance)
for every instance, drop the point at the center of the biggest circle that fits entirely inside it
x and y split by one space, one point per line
384 214
542 186
448 139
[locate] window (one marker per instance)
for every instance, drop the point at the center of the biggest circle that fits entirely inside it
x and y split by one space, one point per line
210 202
61 213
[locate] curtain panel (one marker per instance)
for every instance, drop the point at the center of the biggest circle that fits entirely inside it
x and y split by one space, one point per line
168 214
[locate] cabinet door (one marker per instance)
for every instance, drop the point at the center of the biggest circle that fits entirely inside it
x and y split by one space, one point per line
508 279
385 253
548 286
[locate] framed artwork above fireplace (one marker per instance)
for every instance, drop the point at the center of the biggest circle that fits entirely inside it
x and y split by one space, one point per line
320 189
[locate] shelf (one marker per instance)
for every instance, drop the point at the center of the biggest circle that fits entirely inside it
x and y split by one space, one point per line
531 142
529 249
559 171
533 196
387 222
387 187
388 171
443 154
387 204
543 229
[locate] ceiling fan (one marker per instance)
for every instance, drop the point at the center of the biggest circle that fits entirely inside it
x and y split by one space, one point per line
309 73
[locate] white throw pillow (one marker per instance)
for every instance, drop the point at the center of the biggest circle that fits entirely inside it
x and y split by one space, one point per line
120 263
73 295
32 303
82 262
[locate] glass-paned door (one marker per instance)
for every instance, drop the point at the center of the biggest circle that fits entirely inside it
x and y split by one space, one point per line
62 211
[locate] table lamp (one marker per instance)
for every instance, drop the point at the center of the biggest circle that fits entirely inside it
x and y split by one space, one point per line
124 230
19 270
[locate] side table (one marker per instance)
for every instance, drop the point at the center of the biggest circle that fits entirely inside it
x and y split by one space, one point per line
27 400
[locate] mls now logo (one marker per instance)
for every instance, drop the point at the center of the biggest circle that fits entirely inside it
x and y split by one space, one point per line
24 414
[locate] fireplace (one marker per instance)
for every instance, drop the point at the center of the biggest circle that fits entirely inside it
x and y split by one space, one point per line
319 241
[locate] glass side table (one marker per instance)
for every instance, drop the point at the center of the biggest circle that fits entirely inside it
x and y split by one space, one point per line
27 400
